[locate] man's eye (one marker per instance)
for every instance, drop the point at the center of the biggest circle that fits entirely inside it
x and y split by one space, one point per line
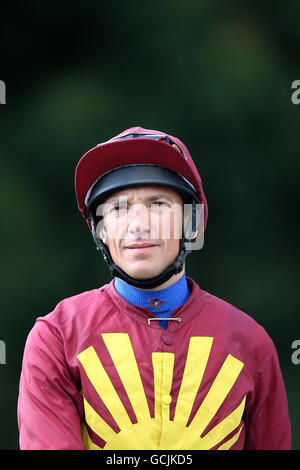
159 204
117 209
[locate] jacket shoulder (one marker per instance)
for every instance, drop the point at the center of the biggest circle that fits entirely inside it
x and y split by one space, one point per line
233 319
76 310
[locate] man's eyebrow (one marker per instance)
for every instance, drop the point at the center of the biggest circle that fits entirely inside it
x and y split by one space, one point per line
154 197
151 198
117 200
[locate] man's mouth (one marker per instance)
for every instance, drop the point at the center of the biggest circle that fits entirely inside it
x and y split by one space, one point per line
141 245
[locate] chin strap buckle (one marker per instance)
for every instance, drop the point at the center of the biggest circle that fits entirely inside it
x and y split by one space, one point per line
162 319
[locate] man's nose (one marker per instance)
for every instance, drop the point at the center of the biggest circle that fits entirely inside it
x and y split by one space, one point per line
138 219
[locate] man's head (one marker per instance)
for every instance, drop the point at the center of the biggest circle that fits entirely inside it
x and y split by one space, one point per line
138 166
142 228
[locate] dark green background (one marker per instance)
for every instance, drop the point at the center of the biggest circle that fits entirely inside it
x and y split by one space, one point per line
216 74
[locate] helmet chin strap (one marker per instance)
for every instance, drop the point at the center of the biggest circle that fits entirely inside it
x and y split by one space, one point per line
174 268
165 275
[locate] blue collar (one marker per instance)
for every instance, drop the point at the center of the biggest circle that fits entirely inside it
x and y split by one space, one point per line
159 302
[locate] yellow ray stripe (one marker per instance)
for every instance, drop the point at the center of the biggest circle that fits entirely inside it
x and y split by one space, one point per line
219 390
227 445
122 354
163 364
167 378
197 357
102 384
225 427
97 424
157 362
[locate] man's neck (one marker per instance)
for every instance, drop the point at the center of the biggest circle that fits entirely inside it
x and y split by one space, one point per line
161 302
167 283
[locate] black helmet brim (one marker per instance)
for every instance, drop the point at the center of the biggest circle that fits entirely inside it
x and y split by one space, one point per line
135 176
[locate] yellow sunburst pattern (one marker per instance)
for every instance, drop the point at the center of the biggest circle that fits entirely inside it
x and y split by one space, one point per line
160 432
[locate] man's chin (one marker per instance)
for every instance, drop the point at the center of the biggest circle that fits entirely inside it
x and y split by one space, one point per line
142 274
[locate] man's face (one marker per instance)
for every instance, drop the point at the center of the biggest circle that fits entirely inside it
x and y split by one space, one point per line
143 229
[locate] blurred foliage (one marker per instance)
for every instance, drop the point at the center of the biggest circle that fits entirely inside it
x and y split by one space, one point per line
216 75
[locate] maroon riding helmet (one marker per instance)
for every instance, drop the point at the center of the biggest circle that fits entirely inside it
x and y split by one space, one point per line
140 157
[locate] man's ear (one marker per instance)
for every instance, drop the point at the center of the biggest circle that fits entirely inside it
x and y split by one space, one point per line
195 235
187 228
103 235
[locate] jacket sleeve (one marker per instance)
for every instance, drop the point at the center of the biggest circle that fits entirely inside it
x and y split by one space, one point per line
49 402
267 418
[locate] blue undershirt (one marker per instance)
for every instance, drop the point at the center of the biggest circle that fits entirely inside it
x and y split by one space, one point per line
161 303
